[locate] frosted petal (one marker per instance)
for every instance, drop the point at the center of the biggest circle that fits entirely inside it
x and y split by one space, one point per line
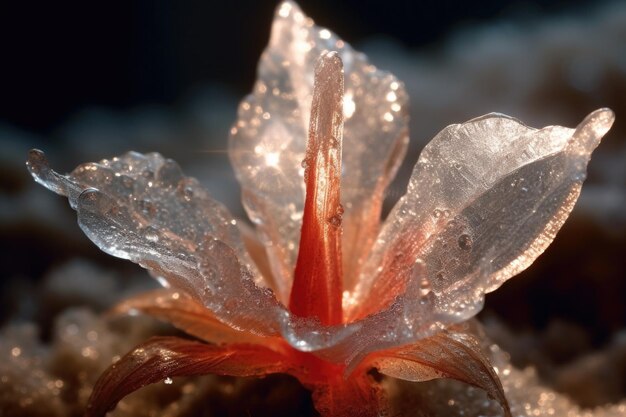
453 353
164 357
267 144
188 315
227 288
142 208
485 199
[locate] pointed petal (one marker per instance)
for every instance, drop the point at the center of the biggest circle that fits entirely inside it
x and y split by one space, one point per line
267 144
142 208
485 199
316 290
188 315
164 357
452 353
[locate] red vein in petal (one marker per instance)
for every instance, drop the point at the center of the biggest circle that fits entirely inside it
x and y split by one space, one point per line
163 357
317 284
454 353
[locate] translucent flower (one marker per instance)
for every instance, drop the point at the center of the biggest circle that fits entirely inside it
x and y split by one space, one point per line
319 287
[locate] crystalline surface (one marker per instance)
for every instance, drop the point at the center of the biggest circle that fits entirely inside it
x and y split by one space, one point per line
142 208
267 144
485 199
188 315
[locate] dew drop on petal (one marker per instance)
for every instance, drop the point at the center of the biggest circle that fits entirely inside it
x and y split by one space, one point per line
465 242
424 287
151 234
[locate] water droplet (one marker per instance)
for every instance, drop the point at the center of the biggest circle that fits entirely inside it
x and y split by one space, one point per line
90 195
446 213
437 213
187 193
340 210
168 381
305 163
151 234
465 242
335 220
457 165
424 287
295 216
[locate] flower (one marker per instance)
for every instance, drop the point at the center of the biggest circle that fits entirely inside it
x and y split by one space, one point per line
319 288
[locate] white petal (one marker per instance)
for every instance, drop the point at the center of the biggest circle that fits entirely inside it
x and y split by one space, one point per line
485 199
267 143
142 208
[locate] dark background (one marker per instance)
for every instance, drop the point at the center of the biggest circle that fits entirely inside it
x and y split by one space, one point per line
59 57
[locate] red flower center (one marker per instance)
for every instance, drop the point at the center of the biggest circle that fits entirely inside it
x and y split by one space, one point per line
317 283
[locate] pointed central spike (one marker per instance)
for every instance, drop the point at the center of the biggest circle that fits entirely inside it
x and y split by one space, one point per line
317 283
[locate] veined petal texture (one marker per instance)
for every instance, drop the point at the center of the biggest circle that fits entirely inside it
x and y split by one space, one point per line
485 199
453 353
206 266
164 357
268 142
142 208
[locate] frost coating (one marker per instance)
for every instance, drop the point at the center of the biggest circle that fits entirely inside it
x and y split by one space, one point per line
267 143
447 242
142 208
433 275
485 199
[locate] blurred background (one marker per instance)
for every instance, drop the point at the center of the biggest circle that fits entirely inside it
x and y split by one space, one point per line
88 80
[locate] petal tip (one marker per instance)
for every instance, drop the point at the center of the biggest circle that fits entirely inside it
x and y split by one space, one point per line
39 168
329 63
601 120
285 9
37 163
591 130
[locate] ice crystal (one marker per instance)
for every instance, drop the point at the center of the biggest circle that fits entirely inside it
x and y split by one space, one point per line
320 288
